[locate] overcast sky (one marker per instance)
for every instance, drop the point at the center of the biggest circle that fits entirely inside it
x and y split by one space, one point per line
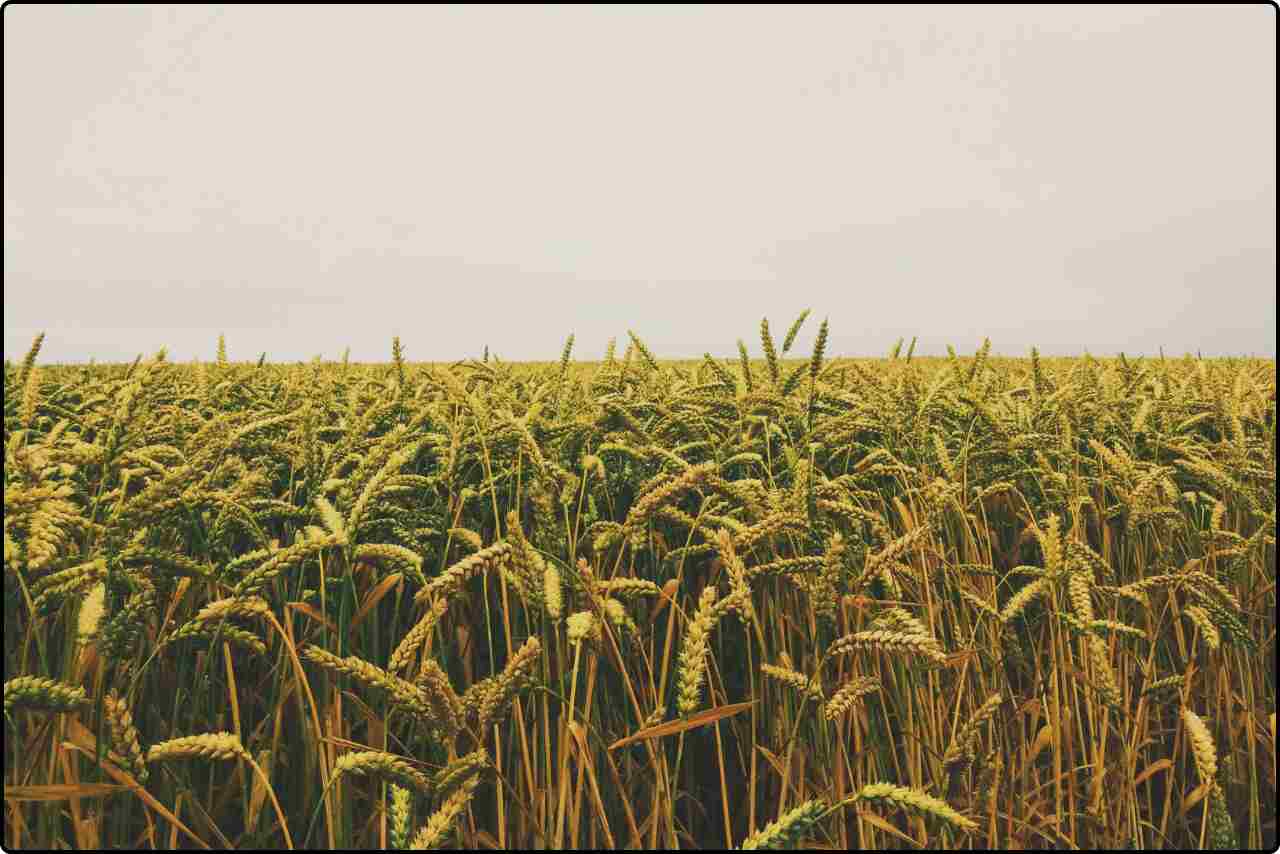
307 179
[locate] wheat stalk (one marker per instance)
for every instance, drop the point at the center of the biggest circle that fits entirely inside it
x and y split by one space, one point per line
213 745
693 653
374 763
788 829
916 801
37 692
887 641
124 736
1206 755
433 833
409 645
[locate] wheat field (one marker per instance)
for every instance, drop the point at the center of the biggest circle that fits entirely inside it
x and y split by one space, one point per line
791 601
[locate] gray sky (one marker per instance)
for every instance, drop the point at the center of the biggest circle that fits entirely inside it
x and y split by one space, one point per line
1098 178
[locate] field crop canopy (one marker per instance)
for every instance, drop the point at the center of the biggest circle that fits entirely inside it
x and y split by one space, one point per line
796 601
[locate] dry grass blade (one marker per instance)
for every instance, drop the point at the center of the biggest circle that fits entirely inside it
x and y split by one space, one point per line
371 600
61 791
694 721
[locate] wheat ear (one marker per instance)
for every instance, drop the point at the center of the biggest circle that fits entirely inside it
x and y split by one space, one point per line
915 800
433 833
788 830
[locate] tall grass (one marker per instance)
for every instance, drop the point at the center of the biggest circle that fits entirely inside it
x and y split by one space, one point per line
959 603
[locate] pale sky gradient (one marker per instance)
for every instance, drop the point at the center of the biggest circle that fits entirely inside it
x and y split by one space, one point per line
304 180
